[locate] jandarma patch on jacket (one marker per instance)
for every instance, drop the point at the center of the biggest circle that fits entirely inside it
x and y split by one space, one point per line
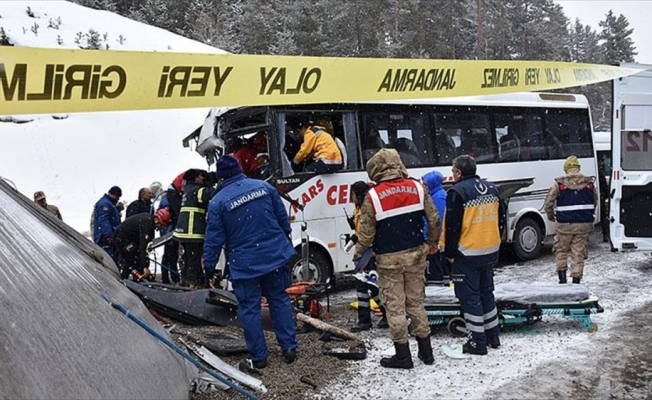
245 199
396 190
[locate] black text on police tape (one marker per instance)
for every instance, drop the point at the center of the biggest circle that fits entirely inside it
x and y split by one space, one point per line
411 80
276 79
192 81
59 81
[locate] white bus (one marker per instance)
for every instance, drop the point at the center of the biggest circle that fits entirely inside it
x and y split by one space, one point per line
631 179
520 141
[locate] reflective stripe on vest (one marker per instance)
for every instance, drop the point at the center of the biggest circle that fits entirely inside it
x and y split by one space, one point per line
578 207
193 210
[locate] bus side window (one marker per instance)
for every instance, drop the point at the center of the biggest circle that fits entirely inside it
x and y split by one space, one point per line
477 143
571 130
446 149
407 150
524 140
510 147
372 141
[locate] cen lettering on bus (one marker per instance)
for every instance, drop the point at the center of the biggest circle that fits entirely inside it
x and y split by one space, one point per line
338 194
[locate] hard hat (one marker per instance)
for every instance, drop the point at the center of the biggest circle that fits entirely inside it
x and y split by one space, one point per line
163 216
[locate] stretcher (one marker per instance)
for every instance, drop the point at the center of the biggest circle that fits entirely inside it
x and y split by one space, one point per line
517 305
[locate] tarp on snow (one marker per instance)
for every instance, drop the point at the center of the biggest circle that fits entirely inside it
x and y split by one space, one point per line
519 292
59 338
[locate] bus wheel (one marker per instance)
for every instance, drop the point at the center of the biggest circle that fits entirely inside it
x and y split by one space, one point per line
318 267
528 239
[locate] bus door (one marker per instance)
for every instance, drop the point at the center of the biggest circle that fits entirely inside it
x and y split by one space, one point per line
631 206
324 196
631 177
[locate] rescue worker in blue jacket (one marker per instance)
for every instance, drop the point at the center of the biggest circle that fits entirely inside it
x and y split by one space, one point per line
106 220
571 202
471 240
437 268
247 218
191 225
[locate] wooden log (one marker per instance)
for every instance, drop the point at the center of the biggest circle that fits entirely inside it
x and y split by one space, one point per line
323 326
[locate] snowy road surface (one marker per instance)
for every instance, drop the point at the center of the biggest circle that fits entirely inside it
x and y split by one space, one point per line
556 358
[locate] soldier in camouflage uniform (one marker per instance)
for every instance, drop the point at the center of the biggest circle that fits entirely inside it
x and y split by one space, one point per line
571 202
391 221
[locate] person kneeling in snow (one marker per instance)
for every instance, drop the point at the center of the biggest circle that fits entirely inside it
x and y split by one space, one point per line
133 237
247 217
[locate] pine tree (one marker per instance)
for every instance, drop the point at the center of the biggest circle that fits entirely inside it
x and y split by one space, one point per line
216 26
618 45
4 39
93 40
106 5
584 44
154 12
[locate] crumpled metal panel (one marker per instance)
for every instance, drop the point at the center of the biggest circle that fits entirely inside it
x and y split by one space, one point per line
58 337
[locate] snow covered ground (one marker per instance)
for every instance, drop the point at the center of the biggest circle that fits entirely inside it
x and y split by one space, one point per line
77 159
556 358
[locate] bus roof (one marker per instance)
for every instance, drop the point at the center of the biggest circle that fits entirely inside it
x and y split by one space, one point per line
521 99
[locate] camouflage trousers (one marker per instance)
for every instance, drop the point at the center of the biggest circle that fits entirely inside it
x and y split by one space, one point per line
573 238
401 281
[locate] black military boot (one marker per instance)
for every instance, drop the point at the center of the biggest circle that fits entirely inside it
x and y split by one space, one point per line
402 359
493 342
576 280
425 350
471 348
290 355
383 324
361 326
562 276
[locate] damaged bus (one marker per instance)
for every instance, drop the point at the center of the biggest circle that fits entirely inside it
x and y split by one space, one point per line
520 142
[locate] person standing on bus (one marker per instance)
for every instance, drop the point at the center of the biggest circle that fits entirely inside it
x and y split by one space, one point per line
391 220
247 218
437 270
571 202
320 145
366 286
470 241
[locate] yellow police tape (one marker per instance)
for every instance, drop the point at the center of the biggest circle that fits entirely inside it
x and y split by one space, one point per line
49 80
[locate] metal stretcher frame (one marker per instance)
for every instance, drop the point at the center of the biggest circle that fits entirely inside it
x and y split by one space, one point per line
511 313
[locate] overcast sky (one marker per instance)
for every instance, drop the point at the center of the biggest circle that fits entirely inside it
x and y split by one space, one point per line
638 13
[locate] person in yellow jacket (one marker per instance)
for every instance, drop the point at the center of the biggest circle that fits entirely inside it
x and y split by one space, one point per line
319 148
